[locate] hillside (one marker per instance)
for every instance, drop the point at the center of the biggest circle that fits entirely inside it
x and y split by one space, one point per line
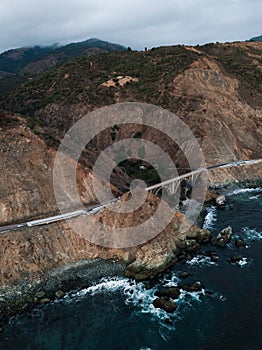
256 38
26 157
36 59
17 65
215 89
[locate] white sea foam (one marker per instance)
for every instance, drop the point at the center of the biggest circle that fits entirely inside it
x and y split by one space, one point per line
170 281
244 190
255 197
201 260
137 295
105 285
243 262
210 218
251 234
193 296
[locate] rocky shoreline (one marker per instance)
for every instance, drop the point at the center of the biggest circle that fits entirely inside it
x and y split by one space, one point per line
229 185
29 293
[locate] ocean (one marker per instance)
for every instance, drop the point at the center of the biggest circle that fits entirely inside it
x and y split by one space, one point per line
118 314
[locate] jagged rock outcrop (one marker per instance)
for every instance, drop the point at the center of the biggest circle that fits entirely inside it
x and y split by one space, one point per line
222 237
27 162
165 304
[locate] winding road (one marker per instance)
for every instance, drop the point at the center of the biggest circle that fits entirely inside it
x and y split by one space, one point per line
95 208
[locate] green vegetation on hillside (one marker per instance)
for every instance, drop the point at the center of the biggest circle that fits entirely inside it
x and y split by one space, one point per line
18 64
80 81
15 60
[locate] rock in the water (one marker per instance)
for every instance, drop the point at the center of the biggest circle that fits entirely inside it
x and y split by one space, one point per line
181 257
165 304
192 287
234 259
221 201
45 301
40 294
223 237
172 292
239 243
212 255
59 294
183 275
189 245
214 258
203 236
168 321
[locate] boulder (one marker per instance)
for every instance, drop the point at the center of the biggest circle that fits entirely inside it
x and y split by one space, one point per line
188 245
223 237
192 287
40 294
170 292
212 255
59 294
220 201
183 275
203 236
165 304
168 321
234 259
214 258
239 243
45 301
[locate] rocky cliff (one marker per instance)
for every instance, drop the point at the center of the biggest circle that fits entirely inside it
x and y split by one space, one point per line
32 252
215 89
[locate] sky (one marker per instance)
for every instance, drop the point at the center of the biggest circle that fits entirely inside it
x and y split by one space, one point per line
135 23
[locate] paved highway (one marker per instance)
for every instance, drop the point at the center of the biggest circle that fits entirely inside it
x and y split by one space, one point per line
95 208
200 170
73 214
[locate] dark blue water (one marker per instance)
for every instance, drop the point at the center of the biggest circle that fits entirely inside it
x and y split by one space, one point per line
118 313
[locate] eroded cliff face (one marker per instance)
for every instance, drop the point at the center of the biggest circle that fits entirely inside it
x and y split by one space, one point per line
30 253
203 94
227 127
26 182
27 156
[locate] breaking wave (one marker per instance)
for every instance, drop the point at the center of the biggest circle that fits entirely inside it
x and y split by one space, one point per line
210 218
201 260
251 234
238 191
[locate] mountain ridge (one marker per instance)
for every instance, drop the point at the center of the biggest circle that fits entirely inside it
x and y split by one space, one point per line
18 65
256 38
17 60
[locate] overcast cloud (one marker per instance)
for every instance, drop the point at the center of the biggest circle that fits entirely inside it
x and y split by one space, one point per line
135 23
